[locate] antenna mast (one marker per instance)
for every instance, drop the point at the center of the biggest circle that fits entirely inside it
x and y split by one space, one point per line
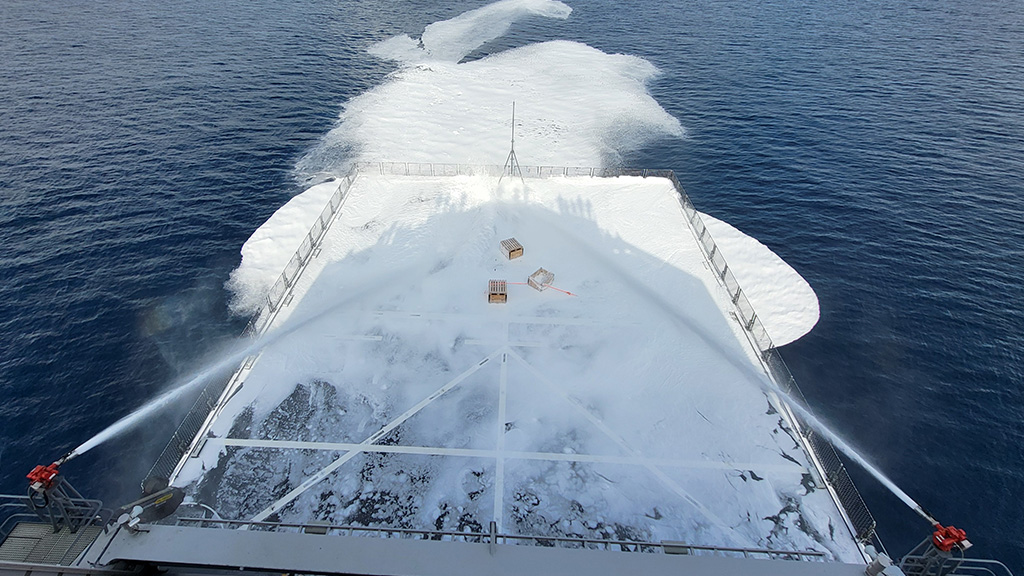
512 163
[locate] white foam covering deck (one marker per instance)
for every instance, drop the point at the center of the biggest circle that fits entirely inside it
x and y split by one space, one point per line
394 394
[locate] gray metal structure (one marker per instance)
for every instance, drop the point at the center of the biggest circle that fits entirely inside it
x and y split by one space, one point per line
180 549
51 532
190 545
204 546
185 545
927 560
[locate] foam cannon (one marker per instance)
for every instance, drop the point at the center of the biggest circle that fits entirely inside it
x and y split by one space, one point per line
944 539
948 538
56 501
932 557
937 555
43 480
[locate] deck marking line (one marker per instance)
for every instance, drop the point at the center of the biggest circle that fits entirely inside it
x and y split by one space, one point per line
499 467
481 342
509 319
355 337
508 455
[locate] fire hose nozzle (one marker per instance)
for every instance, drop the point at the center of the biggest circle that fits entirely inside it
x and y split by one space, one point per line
927 515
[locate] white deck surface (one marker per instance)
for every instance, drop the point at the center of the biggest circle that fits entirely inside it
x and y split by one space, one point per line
394 394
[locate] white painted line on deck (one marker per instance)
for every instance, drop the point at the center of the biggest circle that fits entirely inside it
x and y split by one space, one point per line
497 342
509 455
357 337
499 466
502 318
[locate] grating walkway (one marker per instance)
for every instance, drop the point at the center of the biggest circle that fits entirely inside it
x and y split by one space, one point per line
37 543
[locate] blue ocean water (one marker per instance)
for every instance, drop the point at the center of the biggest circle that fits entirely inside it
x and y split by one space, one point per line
876 147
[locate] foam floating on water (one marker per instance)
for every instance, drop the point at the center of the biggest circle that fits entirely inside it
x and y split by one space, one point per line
452 40
782 299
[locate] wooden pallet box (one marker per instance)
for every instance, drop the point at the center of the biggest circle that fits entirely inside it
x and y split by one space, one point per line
497 291
511 248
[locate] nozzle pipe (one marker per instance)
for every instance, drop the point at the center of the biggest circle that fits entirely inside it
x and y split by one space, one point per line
65 458
926 515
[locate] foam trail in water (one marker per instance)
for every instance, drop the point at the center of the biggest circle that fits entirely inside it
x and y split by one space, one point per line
576 105
227 362
452 40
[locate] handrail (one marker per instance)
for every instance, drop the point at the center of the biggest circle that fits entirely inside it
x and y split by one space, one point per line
31 568
928 565
667 547
927 560
259 321
823 454
14 507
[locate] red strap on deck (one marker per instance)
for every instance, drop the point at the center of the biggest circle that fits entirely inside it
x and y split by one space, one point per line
546 285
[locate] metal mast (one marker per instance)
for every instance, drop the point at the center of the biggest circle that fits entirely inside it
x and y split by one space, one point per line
511 162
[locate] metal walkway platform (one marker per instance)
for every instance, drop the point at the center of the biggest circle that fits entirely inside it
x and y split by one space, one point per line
37 543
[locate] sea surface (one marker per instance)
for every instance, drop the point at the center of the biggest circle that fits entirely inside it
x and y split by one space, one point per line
877 147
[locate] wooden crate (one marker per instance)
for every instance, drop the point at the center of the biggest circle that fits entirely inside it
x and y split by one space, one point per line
511 248
497 291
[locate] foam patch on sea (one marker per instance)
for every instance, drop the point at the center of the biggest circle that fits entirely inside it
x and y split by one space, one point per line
785 303
576 106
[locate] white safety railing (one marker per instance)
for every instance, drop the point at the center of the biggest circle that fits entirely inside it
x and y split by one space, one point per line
494 537
310 244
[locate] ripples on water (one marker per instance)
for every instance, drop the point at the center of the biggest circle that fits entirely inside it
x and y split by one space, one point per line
876 147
